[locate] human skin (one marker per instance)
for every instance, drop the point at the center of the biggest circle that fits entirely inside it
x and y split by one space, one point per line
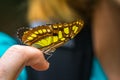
16 57
106 37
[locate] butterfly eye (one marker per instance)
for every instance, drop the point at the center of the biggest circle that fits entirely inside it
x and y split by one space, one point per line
49 37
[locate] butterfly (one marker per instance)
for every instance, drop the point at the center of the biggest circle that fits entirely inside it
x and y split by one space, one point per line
50 36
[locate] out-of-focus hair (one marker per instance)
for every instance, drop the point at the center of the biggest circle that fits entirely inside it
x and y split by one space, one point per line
62 10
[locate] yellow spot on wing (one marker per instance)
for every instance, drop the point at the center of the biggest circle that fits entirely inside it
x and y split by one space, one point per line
60 34
60 25
36 32
25 32
55 38
77 22
75 29
49 40
30 38
54 26
66 30
44 42
44 30
62 39
40 31
33 35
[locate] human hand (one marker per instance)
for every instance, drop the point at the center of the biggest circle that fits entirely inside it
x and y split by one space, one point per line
16 57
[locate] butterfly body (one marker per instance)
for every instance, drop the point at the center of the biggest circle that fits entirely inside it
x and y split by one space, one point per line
48 37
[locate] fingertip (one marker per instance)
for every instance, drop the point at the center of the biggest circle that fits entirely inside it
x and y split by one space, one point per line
33 57
41 66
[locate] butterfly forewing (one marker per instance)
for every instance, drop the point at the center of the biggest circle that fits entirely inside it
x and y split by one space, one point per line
48 37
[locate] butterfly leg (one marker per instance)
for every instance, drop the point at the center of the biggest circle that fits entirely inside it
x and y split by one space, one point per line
49 51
